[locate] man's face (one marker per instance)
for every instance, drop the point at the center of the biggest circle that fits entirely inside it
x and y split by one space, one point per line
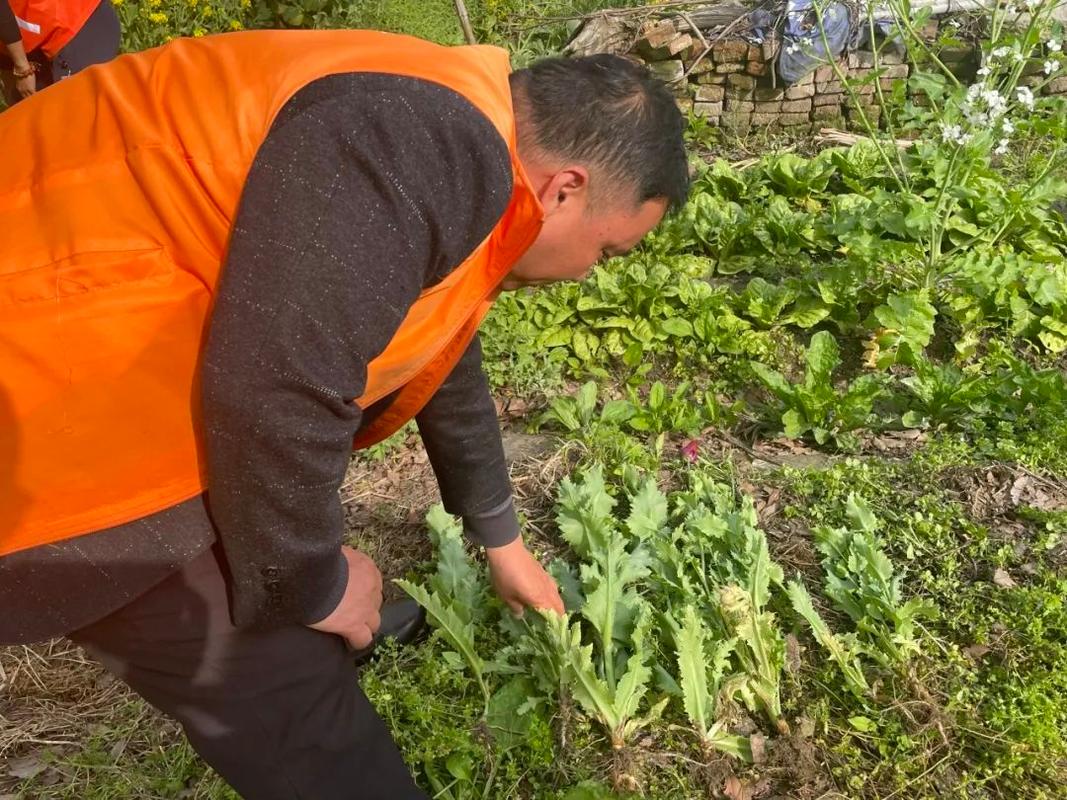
577 234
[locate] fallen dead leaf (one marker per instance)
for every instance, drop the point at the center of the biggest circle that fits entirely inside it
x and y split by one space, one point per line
735 789
1018 489
26 767
792 653
1002 579
758 743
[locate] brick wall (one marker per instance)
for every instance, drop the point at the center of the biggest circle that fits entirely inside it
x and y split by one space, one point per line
734 84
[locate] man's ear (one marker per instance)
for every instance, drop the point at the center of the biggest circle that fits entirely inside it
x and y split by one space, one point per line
566 190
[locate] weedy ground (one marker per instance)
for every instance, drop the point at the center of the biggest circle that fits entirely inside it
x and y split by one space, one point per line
979 713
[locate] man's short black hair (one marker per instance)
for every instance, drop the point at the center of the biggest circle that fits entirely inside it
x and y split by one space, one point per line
610 114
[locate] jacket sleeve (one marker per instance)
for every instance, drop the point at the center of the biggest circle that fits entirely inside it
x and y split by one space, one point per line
9 28
367 189
461 433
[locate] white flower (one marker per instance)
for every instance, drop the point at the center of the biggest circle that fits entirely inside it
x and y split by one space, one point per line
954 134
1050 66
1034 3
1011 10
949 133
1053 46
1001 148
1025 96
1000 52
1018 56
793 48
993 99
984 71
1007 126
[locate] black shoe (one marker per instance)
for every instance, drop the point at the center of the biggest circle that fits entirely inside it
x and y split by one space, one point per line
404 621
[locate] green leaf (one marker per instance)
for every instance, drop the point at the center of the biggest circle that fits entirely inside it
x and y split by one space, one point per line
697 699
793 424
563 410
807 313
843 656
773 380
821 359
555 337
507 725
456 578
1053 334
585 345
616 412
862 724
587 402
676 326
905 319
860 513
648 511
456 631
584 512
656 396
590 790
459 767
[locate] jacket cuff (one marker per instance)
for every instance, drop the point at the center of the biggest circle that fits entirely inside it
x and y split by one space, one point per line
494 528
332 590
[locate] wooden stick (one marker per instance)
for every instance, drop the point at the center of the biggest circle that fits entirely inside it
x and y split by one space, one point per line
465 22
841 137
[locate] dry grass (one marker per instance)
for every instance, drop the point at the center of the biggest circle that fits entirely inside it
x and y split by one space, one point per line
51 695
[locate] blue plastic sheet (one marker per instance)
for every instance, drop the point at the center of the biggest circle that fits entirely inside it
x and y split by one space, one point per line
803 45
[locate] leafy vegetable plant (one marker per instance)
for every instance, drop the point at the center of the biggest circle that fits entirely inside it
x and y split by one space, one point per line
814 405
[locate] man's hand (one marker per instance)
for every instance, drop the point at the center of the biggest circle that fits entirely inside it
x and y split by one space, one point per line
356 617
26 85
520 580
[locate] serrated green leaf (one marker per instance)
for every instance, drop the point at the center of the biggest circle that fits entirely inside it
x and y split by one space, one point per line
648 511
698 701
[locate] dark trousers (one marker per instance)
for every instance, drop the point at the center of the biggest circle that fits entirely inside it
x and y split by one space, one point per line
278 714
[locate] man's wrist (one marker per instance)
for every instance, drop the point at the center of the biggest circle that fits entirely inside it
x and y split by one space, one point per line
505 550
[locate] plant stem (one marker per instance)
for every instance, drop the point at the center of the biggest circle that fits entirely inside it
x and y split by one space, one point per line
900 178
902 19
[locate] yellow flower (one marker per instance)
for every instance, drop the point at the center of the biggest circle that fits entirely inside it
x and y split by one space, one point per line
192 3
199 32
246 3
116 3
157 17
235 25
209 12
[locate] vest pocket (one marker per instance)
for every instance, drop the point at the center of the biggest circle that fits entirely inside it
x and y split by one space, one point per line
84 273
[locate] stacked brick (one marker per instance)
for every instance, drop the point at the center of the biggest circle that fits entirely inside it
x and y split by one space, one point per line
732 82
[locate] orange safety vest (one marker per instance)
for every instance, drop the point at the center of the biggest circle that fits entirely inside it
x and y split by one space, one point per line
48 25
118 188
